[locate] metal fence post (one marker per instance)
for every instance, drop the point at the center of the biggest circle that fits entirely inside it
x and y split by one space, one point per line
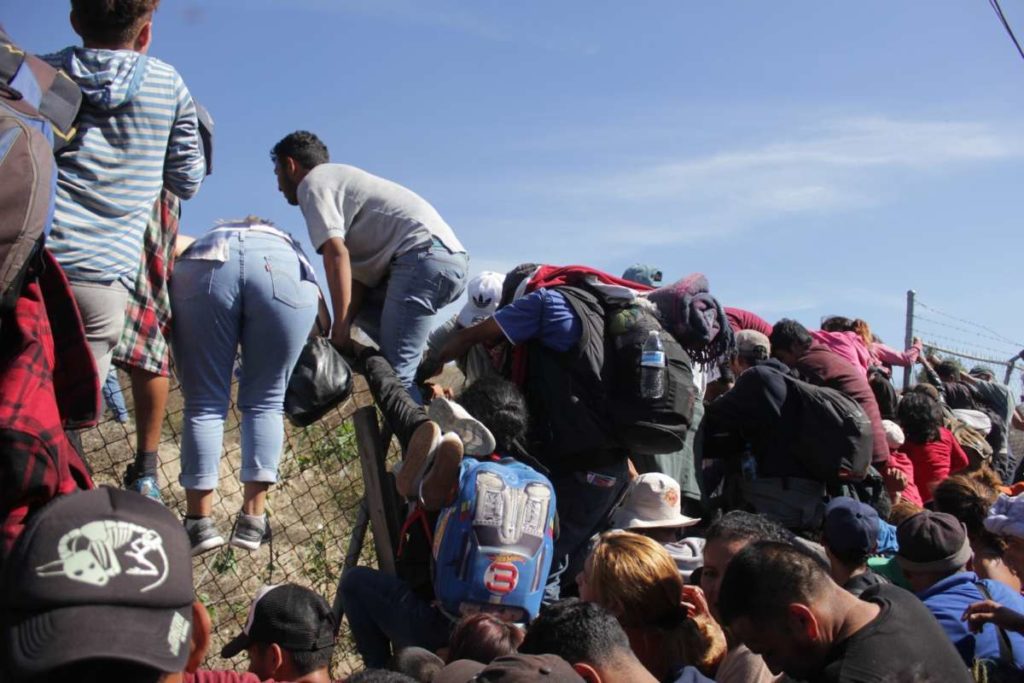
908 338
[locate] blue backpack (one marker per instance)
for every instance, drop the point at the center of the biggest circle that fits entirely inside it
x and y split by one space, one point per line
493 545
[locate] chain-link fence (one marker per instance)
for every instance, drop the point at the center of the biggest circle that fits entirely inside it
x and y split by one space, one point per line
314 509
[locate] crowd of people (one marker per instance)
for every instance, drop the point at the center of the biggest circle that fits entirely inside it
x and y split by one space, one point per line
631 482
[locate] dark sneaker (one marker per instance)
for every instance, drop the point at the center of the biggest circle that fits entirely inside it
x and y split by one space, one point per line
440 484
418 454
451 417
146 485
203 535
250 531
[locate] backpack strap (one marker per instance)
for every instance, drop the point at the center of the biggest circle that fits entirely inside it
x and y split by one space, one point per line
51 91
417 515
1005 649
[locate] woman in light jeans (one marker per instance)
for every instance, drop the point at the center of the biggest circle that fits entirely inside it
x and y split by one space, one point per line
243 283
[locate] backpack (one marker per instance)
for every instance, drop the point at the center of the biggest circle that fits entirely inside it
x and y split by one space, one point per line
647 426
835 436
38 105
494 544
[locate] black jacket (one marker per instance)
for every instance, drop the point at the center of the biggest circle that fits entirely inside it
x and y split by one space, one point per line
758 410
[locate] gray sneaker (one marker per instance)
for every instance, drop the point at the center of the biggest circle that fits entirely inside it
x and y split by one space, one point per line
203 535
250 531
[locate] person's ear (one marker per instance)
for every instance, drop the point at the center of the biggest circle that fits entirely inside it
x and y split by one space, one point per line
803 621
275 659
200 637
291 167
587 672
144 37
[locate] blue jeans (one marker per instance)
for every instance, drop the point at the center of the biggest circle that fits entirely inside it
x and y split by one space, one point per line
257 299
382 610
114 397
398 313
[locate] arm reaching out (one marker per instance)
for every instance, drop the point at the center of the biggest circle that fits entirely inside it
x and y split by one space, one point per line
989 612
461 342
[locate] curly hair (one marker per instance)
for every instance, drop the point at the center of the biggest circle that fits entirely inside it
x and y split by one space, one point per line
111 22
499 405
920 416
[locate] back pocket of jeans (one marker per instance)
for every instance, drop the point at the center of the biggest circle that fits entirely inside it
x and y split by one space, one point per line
287 287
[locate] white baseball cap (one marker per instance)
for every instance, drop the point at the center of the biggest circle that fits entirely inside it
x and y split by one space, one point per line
651 502
484 292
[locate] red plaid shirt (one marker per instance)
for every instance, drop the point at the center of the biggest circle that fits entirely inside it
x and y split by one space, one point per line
37 462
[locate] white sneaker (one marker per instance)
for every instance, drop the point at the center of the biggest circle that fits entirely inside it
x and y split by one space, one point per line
451 417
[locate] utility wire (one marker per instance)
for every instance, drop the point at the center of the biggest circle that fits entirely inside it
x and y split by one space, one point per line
1002 19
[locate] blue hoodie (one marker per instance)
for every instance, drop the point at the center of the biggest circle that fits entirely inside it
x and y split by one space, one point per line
947 600
137 131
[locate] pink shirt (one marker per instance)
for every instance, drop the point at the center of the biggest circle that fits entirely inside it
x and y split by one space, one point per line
847 344
886 355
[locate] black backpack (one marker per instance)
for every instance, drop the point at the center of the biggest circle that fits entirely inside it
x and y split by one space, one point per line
645 426
834 442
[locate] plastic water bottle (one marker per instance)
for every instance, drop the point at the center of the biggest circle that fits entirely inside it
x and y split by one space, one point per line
652 367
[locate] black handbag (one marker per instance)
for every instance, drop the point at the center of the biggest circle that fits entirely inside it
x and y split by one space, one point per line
320 381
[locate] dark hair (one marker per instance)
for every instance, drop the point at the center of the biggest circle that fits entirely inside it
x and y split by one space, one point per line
850 559
305 147
111 21
739 525
513 278
98 671
920 417
788 335
885 394
948 371
416 662
837 323
577 632
483 637
499 405
380 676
308 661
764 578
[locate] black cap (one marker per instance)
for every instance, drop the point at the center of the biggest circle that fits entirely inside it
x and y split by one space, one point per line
292 616
101 574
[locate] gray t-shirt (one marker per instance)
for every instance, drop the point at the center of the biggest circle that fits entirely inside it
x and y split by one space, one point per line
378 219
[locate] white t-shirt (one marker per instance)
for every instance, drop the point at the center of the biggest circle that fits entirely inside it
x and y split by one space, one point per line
378 219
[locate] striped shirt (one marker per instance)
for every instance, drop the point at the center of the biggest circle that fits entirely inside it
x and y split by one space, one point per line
137 131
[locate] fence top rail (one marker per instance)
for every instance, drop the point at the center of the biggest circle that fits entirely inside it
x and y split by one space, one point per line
960 354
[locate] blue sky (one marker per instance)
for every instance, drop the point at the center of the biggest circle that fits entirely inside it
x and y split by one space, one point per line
809 157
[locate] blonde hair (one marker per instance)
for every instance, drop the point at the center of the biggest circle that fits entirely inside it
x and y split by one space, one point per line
635 578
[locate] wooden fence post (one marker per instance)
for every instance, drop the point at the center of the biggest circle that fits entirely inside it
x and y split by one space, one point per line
371 457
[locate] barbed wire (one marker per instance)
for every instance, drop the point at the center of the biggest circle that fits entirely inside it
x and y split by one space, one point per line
1008 349
974 325
1000 356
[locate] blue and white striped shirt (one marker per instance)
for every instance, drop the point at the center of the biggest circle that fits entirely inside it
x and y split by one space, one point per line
137 131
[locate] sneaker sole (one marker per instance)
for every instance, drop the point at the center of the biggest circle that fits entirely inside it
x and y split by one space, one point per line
442 478
245 545
207 545
417 456
475 437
